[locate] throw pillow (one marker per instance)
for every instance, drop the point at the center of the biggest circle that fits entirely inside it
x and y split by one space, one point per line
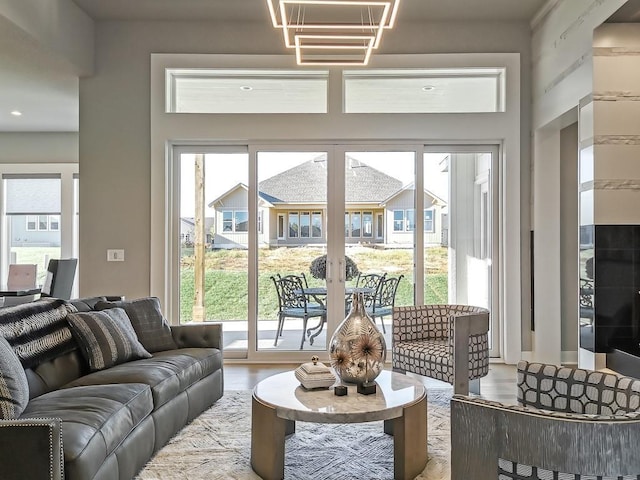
14 389
146 317
38 331
106 338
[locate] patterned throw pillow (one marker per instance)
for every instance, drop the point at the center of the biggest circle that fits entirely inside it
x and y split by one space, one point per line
106 338
14 389
146 317
38 331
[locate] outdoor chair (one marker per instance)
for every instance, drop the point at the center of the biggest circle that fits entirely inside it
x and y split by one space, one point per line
367 280
568 424
445 342
382 303
293 304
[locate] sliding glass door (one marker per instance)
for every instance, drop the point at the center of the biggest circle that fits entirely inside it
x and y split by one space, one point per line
273 238
460 238
292 228
213 240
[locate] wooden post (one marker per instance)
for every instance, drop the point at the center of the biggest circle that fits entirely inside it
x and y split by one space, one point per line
198 242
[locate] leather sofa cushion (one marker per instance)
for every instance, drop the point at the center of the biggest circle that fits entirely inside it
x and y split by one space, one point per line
168 373
95 420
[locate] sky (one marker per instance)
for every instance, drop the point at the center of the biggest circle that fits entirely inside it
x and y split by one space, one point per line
231 169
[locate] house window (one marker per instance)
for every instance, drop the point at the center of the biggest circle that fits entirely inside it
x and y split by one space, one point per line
410 220
428 221
294 225
346 224
43 223
241 221
367 224
380 226
235 221
398 220
32 223
34 199
356 224
260 213
281 227
305 224
54 223
227 221
316 224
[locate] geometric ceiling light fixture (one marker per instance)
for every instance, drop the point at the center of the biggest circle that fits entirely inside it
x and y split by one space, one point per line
333 32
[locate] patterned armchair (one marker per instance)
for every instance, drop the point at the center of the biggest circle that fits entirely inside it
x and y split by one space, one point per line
445 342
570 424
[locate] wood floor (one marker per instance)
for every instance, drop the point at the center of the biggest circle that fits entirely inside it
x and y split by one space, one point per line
498 385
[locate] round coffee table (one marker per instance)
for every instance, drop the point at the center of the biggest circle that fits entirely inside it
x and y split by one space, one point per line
280 401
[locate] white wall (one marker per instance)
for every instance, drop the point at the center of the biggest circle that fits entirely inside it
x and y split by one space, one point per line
562 75
569 250
59 26
115 125
39 147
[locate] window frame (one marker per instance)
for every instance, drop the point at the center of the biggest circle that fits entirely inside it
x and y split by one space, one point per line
431 220
398 227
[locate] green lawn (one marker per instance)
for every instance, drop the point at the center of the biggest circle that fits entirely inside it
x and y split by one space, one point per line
226 278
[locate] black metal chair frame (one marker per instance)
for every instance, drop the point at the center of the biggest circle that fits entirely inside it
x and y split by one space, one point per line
291 304
384 299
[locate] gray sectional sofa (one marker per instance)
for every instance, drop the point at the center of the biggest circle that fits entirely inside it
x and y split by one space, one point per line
79 424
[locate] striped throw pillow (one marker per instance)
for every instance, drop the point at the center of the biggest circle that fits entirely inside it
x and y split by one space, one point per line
14 389
146 317
106 338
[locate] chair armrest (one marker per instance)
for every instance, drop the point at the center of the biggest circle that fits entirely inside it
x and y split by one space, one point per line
198 335
31 448
484 433
463 328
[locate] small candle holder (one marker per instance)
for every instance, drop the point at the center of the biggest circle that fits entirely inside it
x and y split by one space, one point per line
367 388
340 390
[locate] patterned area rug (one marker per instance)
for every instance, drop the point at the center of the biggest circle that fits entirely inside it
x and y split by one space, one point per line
217 445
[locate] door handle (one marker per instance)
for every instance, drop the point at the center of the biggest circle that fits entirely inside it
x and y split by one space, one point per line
341 272
329 271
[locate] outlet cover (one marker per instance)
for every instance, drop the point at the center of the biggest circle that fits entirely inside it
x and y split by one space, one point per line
115 255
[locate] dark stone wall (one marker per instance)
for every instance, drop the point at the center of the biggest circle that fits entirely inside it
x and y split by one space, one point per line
609 285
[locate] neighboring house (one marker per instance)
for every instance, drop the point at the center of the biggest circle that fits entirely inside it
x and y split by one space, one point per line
292 209
187 225
35 230
33 210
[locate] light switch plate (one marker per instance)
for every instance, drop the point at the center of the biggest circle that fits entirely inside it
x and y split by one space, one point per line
115 255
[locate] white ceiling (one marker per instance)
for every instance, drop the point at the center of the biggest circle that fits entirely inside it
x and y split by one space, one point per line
46 88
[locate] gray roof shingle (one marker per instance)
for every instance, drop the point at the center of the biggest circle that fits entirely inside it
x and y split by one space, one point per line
306 183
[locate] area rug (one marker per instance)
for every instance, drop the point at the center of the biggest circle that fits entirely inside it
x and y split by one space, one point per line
217 445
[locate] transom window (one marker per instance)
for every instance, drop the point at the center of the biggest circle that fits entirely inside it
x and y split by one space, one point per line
247 91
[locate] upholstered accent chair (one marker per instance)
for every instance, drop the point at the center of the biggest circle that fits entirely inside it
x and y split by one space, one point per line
445 342
570 424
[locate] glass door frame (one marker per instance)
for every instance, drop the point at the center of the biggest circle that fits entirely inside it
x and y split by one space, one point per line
496 194
336 154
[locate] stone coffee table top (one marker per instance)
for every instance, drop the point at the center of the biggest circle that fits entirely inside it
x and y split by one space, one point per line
291 401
